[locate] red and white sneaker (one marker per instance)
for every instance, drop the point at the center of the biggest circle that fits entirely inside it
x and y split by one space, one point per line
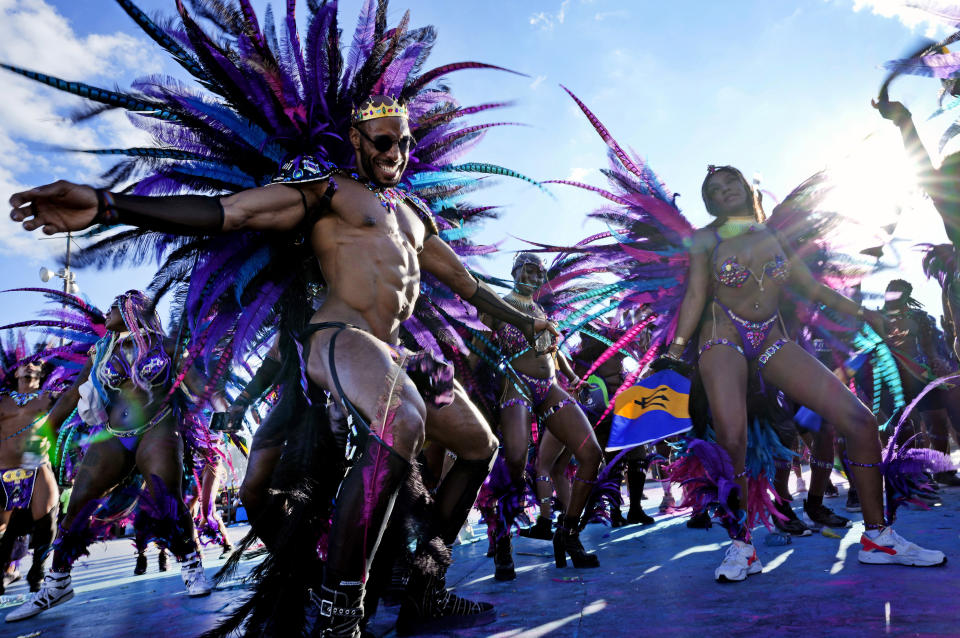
889 548
739 562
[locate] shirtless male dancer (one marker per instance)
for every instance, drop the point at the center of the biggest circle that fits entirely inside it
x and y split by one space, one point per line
27 480
372 240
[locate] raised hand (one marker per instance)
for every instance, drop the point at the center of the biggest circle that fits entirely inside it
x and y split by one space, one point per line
541 325
57 208
893 111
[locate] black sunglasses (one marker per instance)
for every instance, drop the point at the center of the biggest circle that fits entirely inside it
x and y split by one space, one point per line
384 143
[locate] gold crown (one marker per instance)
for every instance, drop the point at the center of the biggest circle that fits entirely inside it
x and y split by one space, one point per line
378 106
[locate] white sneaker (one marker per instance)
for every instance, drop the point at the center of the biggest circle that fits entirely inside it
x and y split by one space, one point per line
801 486
889 548
55 589
195 580
739 562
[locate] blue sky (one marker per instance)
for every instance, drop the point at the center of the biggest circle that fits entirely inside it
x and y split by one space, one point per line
779 89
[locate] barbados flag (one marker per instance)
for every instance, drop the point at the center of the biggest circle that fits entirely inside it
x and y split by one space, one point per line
655 408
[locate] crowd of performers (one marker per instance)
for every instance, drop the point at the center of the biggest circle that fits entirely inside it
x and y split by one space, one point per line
311 205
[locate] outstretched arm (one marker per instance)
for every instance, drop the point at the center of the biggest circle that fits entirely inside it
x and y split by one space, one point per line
939 184
64 206
803 279
438 259
917 152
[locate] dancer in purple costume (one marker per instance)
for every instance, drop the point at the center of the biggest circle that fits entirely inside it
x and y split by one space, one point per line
126 387
29 487
536 392
738 268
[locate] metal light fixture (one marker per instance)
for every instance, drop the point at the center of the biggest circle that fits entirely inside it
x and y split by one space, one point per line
69 282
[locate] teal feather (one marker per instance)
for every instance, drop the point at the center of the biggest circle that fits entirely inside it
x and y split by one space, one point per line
110 98
493 169
144 151
764 450
454 234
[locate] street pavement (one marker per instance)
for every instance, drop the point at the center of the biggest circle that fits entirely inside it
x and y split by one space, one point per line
653 581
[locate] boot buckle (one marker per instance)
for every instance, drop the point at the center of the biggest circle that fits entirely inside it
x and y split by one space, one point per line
326 608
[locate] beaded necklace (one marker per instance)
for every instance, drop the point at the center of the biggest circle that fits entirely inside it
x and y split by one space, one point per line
23 399
389 196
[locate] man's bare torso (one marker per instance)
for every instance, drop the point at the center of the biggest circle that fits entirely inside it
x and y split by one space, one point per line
12 419
370 260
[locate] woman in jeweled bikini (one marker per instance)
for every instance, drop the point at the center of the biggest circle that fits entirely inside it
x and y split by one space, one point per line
738 268
126 388
536 393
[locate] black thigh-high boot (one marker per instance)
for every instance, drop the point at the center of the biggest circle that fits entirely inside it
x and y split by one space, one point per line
427 606
636 479
44 530
364 503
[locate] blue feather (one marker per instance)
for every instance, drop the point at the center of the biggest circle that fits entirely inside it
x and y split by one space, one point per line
225 174
235 125
160 37
249 270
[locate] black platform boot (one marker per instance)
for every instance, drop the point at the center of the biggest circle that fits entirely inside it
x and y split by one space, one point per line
616 517
636 479
503 559
541 530
428 608
336 611
141 567
567 541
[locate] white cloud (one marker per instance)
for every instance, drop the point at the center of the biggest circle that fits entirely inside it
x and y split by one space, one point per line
537 81
600 16
577 173
910 16
34 118
546 21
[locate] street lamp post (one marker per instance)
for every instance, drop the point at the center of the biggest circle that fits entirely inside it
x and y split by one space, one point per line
69 281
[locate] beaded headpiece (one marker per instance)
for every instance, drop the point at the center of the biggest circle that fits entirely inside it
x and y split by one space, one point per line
377 106
527 258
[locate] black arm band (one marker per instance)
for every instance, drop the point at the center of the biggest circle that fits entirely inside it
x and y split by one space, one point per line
262 380
178 214
489 302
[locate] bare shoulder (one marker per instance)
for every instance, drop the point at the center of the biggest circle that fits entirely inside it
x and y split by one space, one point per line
703 241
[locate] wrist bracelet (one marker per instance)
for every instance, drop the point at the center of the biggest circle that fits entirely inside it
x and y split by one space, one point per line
106 210
679 341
